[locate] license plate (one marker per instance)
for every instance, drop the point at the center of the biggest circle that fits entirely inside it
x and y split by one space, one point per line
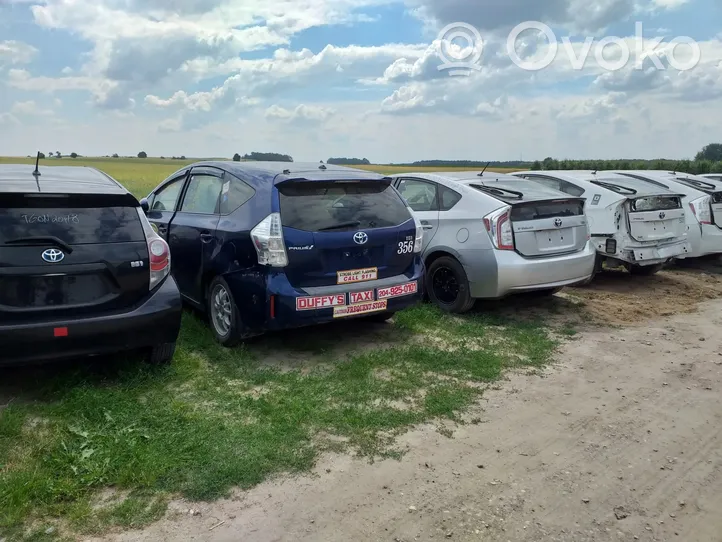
360 297
320 302
359 308
357 275
398 291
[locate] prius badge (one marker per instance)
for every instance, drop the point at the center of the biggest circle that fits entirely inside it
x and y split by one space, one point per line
53 255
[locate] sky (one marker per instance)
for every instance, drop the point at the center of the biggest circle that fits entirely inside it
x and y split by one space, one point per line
376 79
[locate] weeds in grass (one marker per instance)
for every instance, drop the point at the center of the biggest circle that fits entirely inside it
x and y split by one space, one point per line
217 418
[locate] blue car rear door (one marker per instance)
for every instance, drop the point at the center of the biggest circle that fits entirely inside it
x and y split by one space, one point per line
192 232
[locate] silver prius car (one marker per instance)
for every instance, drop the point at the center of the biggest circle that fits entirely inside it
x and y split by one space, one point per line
490 235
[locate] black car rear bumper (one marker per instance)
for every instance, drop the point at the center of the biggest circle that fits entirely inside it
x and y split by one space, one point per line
156 321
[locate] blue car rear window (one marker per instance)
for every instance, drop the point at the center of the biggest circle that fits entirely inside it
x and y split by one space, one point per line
341 205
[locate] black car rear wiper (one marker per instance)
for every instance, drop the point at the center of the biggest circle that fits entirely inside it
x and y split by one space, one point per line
42 240
498 190
353 224
694 183
615 187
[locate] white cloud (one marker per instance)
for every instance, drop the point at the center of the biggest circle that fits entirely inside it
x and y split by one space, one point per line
288 70
16 52
501 16
143 42
30 109
302 113
8 120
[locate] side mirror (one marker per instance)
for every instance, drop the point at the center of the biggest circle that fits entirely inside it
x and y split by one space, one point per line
144 205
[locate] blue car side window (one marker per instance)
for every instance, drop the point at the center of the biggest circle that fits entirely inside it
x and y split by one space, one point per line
234 194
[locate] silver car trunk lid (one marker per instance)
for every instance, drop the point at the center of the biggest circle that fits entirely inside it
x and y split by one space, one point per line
545 222
549 227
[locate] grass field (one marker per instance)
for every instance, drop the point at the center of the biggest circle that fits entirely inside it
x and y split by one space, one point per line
92 446
141 175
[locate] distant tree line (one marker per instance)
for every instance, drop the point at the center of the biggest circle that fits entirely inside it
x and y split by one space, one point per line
263 157
349 161
465 163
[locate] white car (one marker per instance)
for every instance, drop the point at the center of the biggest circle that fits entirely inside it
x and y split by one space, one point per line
491 235
702 201
713 176
633 223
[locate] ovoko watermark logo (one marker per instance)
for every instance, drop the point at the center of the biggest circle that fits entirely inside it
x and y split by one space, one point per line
461 47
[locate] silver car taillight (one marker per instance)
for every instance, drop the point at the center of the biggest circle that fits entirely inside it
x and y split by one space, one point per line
158 253
268 240
702 209
498 226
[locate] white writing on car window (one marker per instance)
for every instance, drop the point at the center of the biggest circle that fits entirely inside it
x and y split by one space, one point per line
51 219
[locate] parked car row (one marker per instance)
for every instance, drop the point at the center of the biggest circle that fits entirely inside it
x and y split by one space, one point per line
258 246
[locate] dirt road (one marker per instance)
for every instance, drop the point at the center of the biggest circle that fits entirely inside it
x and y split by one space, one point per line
620 440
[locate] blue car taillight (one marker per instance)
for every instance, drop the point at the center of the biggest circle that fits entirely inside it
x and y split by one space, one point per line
268 241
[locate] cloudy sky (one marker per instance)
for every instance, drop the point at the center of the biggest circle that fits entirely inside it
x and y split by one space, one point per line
320 78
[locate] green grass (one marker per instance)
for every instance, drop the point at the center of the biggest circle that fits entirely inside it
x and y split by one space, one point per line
217 419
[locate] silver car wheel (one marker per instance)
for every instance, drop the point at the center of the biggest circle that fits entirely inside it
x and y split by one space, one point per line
221 310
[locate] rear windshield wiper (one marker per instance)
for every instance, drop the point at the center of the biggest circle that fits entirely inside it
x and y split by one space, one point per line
615 187
497 190
353 224
694 183
42 240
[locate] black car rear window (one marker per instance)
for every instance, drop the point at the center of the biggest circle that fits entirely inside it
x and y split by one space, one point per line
546 209
75 226
341 205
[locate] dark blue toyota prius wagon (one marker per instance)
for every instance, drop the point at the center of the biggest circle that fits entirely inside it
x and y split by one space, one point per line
266 246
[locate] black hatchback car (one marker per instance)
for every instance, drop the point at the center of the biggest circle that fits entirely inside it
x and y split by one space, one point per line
81 270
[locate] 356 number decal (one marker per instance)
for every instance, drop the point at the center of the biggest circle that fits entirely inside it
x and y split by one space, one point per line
405 247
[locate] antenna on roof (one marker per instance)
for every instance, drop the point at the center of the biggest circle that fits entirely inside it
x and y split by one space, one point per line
483 170
321 167
37 163
594 172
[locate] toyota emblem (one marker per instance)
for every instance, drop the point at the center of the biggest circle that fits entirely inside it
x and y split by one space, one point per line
558 222
661 216
360 238
53 255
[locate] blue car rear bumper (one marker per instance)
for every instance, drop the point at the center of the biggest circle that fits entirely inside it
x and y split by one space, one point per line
289 307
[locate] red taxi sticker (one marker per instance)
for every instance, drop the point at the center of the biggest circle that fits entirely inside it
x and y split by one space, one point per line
360 297
357 275
397 291
320 302
360 308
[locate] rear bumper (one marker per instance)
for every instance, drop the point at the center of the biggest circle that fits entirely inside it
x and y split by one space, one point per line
286 314
658 254
155 322
495 273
